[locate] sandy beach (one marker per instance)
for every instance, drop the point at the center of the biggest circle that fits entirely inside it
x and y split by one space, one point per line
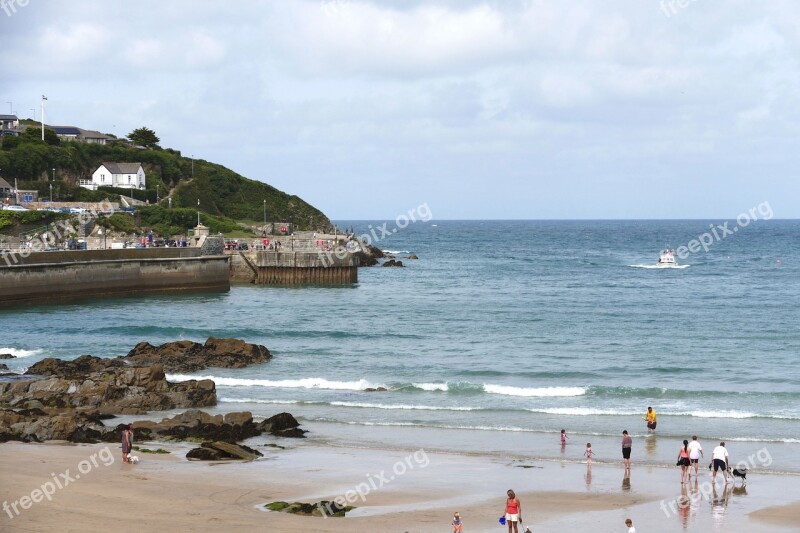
394 490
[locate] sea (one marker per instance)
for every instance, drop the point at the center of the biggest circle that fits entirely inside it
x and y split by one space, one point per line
500 335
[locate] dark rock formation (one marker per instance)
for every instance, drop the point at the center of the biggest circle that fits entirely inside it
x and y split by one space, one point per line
323 508
195 424
214 451
412 256
188 356
282 425
393 263
369 255
375 389
34 425
3 366
120 390
77 368
7 356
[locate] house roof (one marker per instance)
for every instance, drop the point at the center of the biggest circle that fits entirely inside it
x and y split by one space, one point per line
65 130
4 184
122 168
92 134
8 117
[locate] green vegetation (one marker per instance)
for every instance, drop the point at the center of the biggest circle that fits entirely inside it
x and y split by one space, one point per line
144 137
16 219
148 450
224 195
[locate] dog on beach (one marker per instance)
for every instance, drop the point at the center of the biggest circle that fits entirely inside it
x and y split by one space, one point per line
735 472
134 459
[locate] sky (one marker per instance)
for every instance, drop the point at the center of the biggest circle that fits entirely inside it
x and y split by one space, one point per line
517 109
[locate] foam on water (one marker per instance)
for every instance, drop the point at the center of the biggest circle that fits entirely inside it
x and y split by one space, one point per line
533 391
305 383
19 352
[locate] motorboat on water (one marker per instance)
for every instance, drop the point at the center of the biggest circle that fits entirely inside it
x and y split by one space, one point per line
667 257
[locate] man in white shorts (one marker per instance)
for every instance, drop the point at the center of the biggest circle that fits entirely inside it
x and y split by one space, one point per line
695 453
721 458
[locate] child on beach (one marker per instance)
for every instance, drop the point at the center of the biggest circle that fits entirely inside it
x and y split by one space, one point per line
458 525
564 437
629 523
588 453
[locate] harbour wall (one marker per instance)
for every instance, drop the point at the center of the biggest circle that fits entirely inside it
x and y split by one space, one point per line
53 277
264 267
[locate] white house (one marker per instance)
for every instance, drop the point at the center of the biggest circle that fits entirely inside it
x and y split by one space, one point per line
122 175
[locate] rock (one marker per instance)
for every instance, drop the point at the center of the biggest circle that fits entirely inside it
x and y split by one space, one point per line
203 454
375 389
77 368
188 356
320 509
412 256
369 255
292 433
194 424
34 425
3 366
214 451
393 263
7 356
117 389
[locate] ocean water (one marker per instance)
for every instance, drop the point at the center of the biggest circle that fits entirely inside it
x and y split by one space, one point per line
501 334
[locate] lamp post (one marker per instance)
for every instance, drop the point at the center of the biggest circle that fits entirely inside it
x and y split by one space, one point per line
156 194
198 211
265 214
51 192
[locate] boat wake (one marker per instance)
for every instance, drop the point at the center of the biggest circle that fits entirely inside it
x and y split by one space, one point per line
661 266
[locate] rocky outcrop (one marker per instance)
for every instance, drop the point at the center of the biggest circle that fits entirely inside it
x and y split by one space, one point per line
7 356
216 451
34 425
3 366
282 425
412 256
393 263
76 368
188 356
323 508
196 424
369 255
116 389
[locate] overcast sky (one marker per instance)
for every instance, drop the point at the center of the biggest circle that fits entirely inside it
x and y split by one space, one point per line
494 109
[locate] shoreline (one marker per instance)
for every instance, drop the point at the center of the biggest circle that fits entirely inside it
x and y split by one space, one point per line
168 491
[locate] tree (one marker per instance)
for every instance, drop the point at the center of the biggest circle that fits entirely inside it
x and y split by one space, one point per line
144 137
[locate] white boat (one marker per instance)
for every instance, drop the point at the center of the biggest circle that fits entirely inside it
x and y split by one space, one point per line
667 257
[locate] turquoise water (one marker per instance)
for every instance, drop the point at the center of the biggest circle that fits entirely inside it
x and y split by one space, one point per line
501 331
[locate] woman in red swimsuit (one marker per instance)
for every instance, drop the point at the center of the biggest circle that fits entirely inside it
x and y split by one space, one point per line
513 511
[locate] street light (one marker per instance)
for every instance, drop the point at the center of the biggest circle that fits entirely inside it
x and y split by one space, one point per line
51 192
156 194
265 214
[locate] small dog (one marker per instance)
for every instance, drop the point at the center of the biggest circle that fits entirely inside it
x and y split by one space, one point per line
134 459
735 472
739 473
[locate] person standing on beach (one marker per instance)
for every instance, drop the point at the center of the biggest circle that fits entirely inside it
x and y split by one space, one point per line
629 523
695 453
513 511
683 461
627 444
564 437
127 443
458 525
650 418
720 457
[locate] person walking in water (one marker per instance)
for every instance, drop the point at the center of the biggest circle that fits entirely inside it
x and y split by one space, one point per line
589 453
695 453
564 437
650 417
513 511
627 444
683 461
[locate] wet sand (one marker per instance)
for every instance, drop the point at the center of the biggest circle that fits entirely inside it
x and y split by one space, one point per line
403 490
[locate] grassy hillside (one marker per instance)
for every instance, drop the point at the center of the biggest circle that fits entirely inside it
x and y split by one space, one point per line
223 193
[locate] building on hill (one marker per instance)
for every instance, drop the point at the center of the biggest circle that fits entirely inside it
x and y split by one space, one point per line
6 190
121 175
9 122
73 133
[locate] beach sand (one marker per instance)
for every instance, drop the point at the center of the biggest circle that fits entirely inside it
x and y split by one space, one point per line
404 491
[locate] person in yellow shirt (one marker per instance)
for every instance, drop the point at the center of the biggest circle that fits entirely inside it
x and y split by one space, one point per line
650 417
